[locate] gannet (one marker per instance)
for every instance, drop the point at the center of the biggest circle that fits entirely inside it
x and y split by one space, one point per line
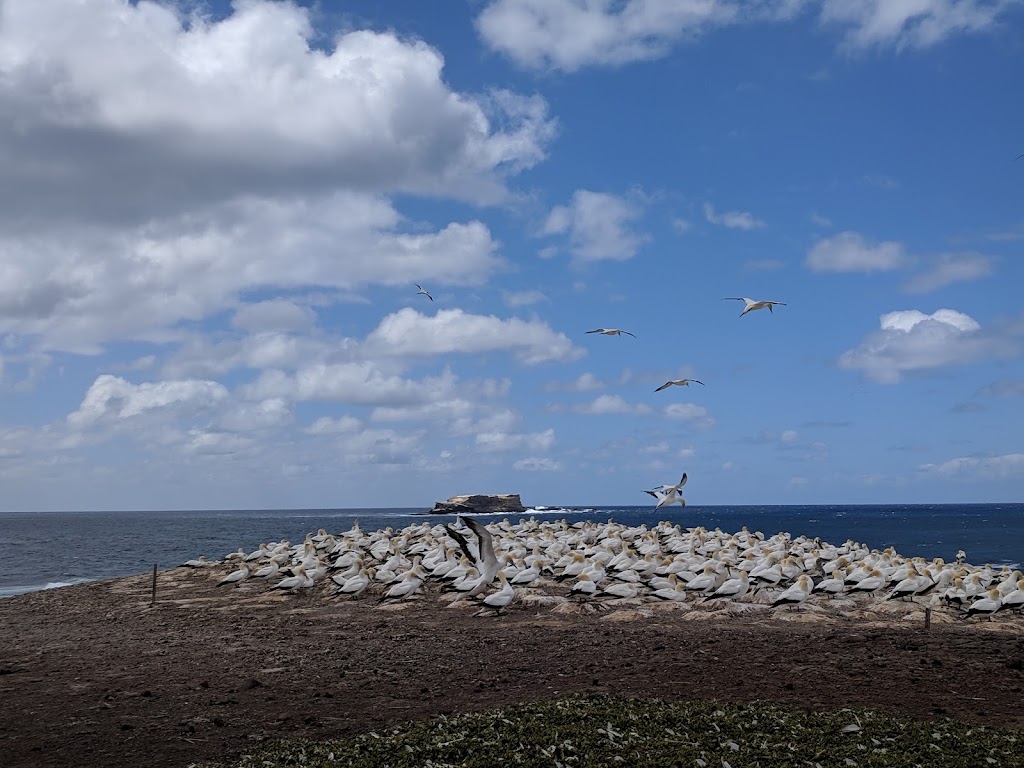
486 561
667 498
732 588
235 576
679 383
664 488
357 584
612 332
986 606
751 305
797 593
498 600
424 292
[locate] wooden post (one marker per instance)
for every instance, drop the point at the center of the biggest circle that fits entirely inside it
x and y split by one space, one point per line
152 602
927 618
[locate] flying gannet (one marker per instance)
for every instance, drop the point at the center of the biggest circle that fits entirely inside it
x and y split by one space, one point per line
679 383
751 305
612 332
424 292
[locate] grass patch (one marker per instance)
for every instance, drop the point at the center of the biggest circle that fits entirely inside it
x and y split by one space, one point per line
609 731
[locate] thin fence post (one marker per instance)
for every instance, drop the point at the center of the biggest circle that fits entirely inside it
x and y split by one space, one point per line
927 618
152 601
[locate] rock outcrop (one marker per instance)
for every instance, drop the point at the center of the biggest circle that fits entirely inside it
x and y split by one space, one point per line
480 504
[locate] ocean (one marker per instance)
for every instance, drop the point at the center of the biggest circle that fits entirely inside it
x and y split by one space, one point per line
46 550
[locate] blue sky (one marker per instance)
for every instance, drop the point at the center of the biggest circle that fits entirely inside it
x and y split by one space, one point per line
214 216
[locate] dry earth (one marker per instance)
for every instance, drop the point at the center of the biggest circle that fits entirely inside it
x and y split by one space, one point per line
94 675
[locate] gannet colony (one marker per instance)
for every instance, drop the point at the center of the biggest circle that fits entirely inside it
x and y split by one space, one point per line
587 567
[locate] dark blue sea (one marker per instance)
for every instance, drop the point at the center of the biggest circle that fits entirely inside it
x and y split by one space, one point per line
52 549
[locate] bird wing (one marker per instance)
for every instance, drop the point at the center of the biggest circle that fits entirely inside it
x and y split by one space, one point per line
418 286
698 382
463 544
628 333
737 298
682 481
597 330
484 542
666 385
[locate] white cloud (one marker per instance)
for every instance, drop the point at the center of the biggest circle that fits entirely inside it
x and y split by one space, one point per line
685 411
523 298
358 383
537 464
850 252
1006 465
1004 388
111 398
325 425
501 442
913 24
274 315
949 268
204 98
732 219
681 225
569 35
79 287
249 417
821 221
910 340
585 382
408 333
611 404
598 226
789 436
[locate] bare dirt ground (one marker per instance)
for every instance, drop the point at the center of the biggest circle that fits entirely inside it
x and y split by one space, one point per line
93 675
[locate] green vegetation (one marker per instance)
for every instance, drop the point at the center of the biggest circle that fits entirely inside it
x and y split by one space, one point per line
597 731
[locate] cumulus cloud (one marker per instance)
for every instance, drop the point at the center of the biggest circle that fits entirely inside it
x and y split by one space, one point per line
1006 465
570 34
732 219
158 167
910 340
850 252
598 225
357 383
949 268
408 333
195 102
111 398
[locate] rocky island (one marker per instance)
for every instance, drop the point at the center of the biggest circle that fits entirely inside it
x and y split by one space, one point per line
480 504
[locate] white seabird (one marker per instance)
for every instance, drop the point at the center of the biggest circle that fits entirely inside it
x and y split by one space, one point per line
486 561
422 291
612 332
751 305
235 576
679 383
664 488
667 498
498 600
797 593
